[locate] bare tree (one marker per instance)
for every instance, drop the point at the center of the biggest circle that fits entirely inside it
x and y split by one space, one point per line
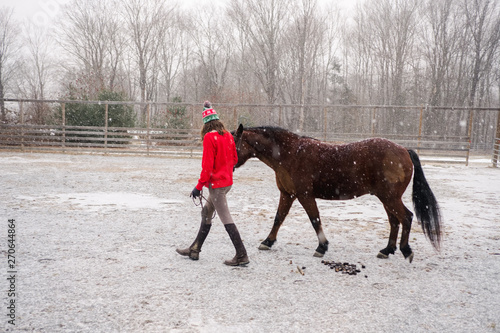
301 44
90 33
213 49
145 22
275 51
328 63
9 50
188 85
387 30
483 20
262 23
301 51
39 63
439 44
361 61
115 49
37 69
439 40
173 48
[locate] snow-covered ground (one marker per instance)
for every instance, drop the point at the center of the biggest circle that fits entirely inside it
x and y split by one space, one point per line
96 239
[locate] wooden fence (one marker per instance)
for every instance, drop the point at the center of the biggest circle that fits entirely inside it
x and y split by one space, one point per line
152 140
496 152
91 139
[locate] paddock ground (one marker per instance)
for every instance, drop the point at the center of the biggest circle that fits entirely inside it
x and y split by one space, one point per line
96 239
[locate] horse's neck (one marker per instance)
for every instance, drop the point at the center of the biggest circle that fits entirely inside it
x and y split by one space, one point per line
269 161
270 152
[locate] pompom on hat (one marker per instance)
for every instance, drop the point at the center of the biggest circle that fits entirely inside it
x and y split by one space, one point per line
209 114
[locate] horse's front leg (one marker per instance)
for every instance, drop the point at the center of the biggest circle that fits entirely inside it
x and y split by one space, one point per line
309 204
286 201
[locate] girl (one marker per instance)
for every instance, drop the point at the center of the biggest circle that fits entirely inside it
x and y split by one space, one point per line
219 159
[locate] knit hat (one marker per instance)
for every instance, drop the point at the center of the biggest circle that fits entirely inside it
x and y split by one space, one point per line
209 114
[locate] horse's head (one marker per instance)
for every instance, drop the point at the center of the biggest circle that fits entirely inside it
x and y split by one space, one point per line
244 150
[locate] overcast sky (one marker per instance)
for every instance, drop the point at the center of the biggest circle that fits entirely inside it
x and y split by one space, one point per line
23 8
42 12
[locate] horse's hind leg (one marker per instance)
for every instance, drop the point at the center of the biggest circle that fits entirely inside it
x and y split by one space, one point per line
312 211
393 236
284 206
398 214
405 235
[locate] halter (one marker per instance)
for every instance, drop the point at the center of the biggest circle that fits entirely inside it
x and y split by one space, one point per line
238 147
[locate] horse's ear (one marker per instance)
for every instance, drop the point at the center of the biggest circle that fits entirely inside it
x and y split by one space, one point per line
239 132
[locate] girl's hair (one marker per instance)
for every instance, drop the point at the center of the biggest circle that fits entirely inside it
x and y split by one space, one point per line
214 125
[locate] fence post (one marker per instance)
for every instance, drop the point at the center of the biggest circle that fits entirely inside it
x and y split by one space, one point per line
63 110
496 152
325 121
21 118
496 143
148 130
469 134
191 107
373 120
235 118
279 116
106 128
420 129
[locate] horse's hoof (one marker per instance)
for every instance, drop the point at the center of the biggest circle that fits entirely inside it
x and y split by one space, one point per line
384 253
407 252
380 255
264 247
321 250
410 257
266 244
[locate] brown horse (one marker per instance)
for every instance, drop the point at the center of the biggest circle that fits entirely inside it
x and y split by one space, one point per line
307 169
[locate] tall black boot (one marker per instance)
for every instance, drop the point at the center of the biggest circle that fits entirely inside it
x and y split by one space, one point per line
195 248
241 257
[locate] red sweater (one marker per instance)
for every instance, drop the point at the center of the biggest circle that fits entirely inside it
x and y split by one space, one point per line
219 158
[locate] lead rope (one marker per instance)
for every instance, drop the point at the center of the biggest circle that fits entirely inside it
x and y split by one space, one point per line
201 197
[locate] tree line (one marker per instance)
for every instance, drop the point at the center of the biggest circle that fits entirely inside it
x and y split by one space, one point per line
386 52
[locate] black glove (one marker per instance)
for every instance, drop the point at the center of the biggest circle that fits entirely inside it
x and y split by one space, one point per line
195 193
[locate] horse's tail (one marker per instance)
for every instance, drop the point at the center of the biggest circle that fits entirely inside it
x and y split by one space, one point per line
425 204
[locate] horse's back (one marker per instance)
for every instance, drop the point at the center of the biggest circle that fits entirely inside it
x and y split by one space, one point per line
372 166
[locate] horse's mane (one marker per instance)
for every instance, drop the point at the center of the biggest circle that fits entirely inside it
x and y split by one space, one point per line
273 132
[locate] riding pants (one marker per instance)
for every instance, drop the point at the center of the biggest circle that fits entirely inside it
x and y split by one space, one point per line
216 201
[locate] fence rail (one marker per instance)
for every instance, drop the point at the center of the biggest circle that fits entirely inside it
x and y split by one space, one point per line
94 139
149 139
